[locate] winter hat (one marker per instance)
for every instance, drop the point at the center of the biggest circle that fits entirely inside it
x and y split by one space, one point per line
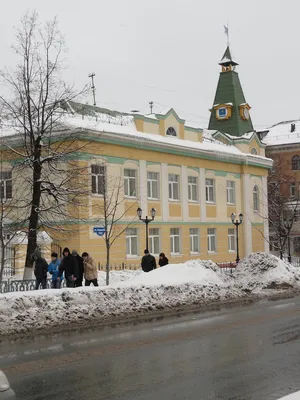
74 253
66 250
36 254
54 255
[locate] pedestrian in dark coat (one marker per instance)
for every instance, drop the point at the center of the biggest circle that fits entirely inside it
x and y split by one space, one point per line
148 262
79 259
163 260
40 266
69 266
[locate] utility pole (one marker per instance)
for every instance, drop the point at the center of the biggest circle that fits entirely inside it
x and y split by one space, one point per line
151 104
93 87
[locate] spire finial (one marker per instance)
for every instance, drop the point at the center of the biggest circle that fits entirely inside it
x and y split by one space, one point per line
226 30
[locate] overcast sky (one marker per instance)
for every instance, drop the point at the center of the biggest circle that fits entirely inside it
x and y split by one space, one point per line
168 51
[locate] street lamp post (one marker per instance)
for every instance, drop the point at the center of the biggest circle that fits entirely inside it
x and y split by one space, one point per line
237 223
146 221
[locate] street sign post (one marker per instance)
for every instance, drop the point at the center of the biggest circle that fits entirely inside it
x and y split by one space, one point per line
99 230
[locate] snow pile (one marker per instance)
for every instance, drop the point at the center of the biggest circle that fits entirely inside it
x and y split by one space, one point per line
265 271
118 276
172 287
194 271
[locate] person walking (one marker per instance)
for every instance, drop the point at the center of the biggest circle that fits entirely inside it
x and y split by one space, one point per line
148 262
79 259
163 260
40 267
69 266
90 270
54 271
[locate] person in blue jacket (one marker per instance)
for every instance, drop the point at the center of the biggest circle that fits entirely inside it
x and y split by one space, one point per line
53 270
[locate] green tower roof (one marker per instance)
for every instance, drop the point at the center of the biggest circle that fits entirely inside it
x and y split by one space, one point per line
230 94
227 58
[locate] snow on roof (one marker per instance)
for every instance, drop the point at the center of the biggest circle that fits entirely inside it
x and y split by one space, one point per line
281 133
130 130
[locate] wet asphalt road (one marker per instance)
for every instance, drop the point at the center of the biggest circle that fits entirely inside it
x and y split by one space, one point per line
238 353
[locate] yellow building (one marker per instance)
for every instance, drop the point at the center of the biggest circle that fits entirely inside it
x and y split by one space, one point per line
194 178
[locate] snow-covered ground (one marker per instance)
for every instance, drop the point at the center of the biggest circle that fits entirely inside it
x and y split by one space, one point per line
175 286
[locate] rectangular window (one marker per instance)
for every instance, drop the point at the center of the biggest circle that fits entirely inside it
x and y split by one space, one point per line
98 179
6 185
130 182
293 190
194 240
153 185
210 190
131 242
211 240
230 190
193 188
231 240
154 240
175 240
173 187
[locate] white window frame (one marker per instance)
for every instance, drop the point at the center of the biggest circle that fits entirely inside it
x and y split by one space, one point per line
231 240
173 237
154 238
194 239
211 240
99 178
256 198
129 242
230 192
127 183
172 183
210 190
6 182
193 189
151 182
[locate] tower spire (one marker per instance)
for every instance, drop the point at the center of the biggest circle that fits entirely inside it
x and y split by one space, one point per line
230 111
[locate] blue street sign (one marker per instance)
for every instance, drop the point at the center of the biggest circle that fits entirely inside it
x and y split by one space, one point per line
99 230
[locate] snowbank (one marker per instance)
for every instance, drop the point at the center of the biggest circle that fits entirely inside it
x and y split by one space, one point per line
194 271
261 271
134 293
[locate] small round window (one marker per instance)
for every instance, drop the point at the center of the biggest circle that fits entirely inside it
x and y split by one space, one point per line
171 131
254 151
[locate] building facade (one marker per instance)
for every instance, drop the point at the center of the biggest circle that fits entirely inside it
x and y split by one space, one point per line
194 178
283 146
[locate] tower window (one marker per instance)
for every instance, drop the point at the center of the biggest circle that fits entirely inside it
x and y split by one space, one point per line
222 112
171 131
254 151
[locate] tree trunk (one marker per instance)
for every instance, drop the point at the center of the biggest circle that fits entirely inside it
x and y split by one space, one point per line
281 254
107 262
2 258
34 217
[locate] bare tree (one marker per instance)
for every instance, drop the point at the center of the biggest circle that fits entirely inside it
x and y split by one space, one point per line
35 106
113 210
282 204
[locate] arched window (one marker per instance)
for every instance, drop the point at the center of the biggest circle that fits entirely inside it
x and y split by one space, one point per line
295 162
254 151
171 131
255 198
